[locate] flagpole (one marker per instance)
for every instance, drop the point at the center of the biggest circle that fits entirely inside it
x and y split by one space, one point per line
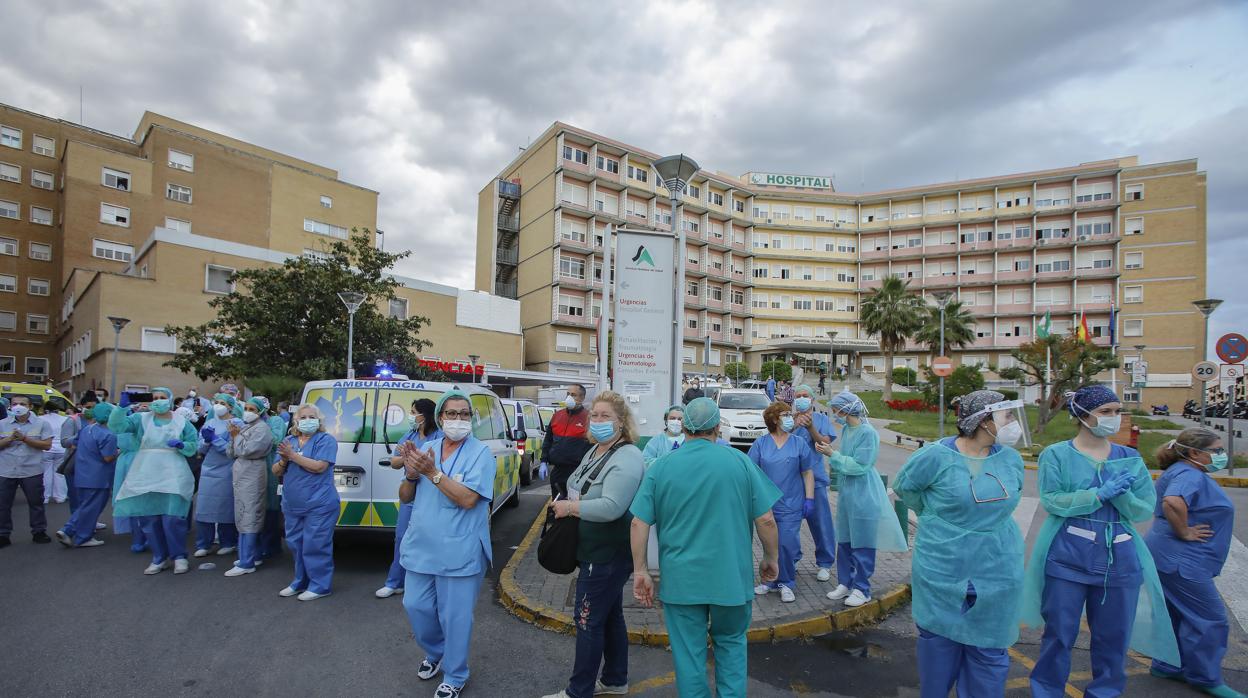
1113 347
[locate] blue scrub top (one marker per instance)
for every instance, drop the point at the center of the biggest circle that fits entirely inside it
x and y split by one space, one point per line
443 538
304 491
1208 504
784 467
95 443
825 426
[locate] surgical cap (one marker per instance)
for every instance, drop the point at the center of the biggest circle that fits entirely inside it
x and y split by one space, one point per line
259 403
701 414
229 388
970 407
264 402
101 411
810 391
1088 398
452 393
168 393
678 408
848 403
229 400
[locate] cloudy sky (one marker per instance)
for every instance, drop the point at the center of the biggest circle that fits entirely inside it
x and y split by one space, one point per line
425 101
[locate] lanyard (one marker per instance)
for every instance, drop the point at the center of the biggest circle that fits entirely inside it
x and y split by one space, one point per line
454 459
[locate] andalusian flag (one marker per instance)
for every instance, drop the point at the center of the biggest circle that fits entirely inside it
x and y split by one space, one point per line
1042 330
1082 333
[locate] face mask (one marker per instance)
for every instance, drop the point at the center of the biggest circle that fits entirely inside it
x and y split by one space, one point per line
191 393
161 406
1009 434
569 402
220 410
673 426
20 410
413 421
786 423
309 425
1106 426
802 404
250 417
840 420
602 431
456 429
1218 463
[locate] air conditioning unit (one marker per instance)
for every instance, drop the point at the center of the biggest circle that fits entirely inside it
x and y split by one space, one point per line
1041 242
1083 238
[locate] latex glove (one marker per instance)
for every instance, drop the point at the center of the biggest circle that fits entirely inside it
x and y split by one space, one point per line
208 434
1115 486
542 471
175 443
808 507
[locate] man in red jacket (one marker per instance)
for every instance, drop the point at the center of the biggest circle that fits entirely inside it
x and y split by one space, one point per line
566 443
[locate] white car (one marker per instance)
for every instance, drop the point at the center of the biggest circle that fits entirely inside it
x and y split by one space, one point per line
741 415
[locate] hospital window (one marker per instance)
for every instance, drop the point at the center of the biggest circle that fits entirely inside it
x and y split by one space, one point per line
218 279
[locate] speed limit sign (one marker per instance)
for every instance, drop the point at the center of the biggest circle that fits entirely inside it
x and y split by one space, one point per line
1205 371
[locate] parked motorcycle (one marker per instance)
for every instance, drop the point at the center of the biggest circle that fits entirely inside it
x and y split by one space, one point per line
1161 410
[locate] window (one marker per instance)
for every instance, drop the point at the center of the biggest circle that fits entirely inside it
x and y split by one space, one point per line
1134 226
760 271
177 224
115 251
1134 260
36 324
738 297
36 366
218 279
155 339
638 173
577 155
315 255
8 283
694 192
612 166
573 230
607 202
44 146
1135 192
179 160
42 216
397 308
319 228
571 305
738 205
10 173
689 355
327 201
10 137
40 251
715 198
572 268
691 288
115 179
8 320
10 209
691 321
38 287
41 180
568 341
574 194
115 215
8 364
1132 294
177 192
1132 328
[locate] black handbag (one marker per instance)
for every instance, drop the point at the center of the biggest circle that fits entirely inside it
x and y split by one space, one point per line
556 550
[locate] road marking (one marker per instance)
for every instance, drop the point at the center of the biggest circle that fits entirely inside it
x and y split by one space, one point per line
1025 513
1029 665
653 682
1025 681
1233 582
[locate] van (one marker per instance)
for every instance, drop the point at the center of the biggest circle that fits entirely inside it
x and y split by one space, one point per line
39 395
530 431
369 416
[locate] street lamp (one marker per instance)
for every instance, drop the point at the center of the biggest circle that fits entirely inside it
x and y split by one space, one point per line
118 324
831 352
473 358
675 172
1206 306
353 300
1139 357
942 298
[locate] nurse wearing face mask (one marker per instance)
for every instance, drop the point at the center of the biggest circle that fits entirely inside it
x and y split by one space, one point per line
214 504
249 446
671 439
816 429
1088 555
309 502
422 429
789 463
1190 540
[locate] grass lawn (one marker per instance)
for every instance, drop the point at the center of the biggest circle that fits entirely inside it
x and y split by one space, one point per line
1150 423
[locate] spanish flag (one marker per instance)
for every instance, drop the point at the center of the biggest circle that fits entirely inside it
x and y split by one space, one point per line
1082 333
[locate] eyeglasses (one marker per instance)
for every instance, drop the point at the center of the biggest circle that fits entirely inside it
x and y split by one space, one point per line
457 414
1005 494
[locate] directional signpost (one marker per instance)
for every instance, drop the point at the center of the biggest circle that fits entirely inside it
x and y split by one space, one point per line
642 354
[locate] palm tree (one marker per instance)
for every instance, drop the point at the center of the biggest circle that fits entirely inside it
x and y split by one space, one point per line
959 329
892 313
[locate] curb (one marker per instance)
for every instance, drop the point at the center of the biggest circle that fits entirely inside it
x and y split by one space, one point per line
521 606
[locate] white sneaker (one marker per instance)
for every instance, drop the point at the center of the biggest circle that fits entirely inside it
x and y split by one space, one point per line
840 592
201 553
824 575
99 526
155 568
763 589
288 592
258 563
64 539
602 689
856 599
181 566
561 694
237 571
227 551
786 595
311 596
90 544
428 670
386 592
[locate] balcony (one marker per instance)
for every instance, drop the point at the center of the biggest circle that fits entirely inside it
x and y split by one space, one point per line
1097 306
1013 309
1101 273
509 222
1091 205
508 190
870 284
942 281
575 320
508 255
576 245
1014 243
1062 274
715 304
874 254
1024 275
575 166
694 269
601 210
691 333
1059 241
941 250
966 279
718 273
572 282
506 289
977 246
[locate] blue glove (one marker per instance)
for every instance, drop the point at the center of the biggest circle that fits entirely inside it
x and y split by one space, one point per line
175 443
1115 486
542 471
208 434
808 507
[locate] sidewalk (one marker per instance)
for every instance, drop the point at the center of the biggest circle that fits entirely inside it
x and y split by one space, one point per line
546 600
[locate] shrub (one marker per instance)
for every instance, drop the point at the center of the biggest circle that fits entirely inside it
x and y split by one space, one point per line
1009 394
911 405
737 371
904 375
963 380
781 370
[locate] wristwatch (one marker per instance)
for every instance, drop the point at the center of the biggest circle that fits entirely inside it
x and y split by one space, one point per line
417 479
436 478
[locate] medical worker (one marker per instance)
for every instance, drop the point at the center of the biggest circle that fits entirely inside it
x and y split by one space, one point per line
249 446
789 463
55 485
816 428
865 521
1088 555
94 464
706 501
422 429
446 548
271 535
309 503
967 574
214 503
670 439
1190 540
127 447
159 484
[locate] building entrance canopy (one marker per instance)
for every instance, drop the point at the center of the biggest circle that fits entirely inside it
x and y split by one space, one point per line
818 345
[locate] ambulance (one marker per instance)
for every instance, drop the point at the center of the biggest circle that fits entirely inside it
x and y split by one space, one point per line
368 416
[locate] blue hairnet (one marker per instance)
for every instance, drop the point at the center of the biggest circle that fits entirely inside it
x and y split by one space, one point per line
678 408
452 393
803 386
168 393
259 403
235 408
701 414
1088 398
848 403
101 411
970 406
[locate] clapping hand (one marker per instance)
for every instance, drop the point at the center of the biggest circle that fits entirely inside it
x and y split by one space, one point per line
802 420
234 429
1115 486
285 450
208 434
416 461
175 444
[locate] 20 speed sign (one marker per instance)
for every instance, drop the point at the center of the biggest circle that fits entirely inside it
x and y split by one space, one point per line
1205 371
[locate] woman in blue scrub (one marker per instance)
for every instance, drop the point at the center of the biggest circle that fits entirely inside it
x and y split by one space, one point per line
93 478
816 428
309 503
159 483
865 522
214 504
672 437
446 548
1088 555
1190 540
789 463
967 571
422 428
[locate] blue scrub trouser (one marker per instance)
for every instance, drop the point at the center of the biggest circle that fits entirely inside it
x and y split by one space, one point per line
91 503
977 671
440 610
687 630
1200 626
248 550
271 536
71 491
167 536
138 537
854 567
395 578
205 532
790 530
1062 605
310 536
822 529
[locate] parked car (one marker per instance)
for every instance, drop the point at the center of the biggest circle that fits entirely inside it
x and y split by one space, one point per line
741 415
530 431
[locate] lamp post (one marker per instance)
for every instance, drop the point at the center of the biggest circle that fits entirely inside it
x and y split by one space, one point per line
353 300
118 324
831 352
1206 306
675 172
942 297
473 358
1139 357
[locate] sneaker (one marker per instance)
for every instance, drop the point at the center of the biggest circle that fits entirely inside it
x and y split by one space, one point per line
289 591
428 670
602 689
763 589
59 500
5 542
446 690
63 538
824 575
201 553
227 550
786 595
41 537
99 526
311 596
91 543
156 568
840 592
1221 691
856 598
257 563
181 566
237 571
386 592
564 694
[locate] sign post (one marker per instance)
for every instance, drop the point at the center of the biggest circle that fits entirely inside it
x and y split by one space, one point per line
1233 349
1205 372
942 366
643 353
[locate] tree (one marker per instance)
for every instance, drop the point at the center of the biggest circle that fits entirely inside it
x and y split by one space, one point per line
959 329
780 370
737 370
289 321
905 376
964 380
893 313
1073 364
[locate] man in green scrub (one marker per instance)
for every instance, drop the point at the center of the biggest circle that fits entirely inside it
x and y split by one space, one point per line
706 499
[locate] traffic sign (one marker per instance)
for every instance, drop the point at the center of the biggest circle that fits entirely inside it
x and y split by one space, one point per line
1205 371
1229 374
942 366
1232 348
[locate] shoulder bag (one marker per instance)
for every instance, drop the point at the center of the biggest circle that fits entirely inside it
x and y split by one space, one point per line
556 550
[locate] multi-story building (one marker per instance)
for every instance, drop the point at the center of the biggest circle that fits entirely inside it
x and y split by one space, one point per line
777 265
151 227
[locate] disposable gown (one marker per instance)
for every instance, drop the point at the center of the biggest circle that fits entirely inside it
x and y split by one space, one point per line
961 541
1066 490
127 446
159 481
864 517
659 446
